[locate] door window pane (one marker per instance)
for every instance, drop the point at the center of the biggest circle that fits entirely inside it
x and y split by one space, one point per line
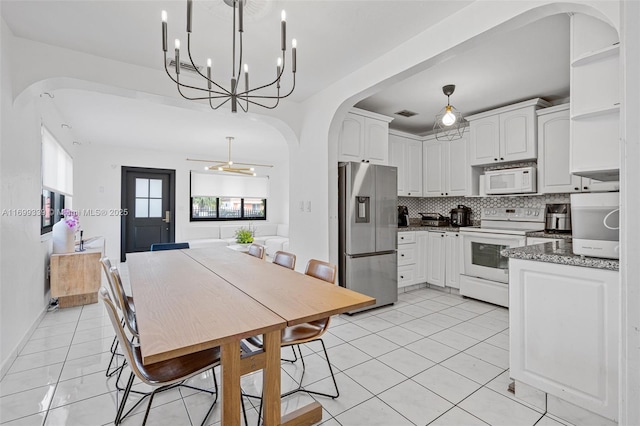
142 207
155 207
142 188
155 188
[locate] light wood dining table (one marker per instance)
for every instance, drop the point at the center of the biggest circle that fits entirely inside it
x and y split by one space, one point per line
195 299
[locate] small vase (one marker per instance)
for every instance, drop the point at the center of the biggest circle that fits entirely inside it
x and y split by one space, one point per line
64 238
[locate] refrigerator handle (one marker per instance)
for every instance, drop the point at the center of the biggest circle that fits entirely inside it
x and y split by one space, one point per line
362 215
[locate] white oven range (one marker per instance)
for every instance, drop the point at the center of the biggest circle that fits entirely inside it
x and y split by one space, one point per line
485 273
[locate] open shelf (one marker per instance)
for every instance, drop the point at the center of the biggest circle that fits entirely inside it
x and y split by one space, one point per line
596 112
596 55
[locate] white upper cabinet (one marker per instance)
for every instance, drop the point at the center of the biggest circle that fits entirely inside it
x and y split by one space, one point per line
505 134
406 154
364 137
554 175
446 167
595 99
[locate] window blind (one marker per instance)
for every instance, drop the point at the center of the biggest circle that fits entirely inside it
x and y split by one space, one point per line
225 185
57 166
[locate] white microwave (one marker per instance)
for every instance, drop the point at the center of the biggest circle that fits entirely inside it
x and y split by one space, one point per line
521 180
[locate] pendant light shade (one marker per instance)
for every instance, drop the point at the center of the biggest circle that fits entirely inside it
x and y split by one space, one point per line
450 124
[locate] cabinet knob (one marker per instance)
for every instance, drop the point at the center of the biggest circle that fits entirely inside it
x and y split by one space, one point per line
495 159
577 188
446 193
442 235
402 238
367 161
402 276
501 158
442 193
586 187
408 193
456 235
402 255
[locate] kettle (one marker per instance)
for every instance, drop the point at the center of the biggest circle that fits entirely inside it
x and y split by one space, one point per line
461 216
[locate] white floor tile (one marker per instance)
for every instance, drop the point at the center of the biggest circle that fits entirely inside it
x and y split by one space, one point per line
25 403
316 369
29 379
477 306
430 349
374 345
53 330
373 323
82 336
406 362
432 306
400 335
496 409
351 394
546 420
490 323
461 314
375 376
422 327
473 330
457 417
414 311
449 300
80 388
447 384
499 313
47 343
99 410
500 340
33 420
396 317
346 356
415 402
38 359
93 347
442 320
88 365
455 340
491 354
170 414
472 368
349 332
373 412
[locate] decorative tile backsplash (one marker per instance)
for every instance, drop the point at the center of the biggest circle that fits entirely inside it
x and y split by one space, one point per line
443 205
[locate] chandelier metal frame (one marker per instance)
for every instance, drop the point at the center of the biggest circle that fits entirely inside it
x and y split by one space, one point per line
215 93
455 130
231 166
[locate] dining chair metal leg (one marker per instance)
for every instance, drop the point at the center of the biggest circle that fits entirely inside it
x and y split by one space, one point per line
301 388
124 400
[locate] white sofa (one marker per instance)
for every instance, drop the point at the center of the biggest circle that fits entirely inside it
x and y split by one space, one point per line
273 236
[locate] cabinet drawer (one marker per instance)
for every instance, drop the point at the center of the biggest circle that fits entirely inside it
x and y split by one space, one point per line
407 255
406 237
406 275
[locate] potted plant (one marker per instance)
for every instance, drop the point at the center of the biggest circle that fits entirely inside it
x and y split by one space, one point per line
244 236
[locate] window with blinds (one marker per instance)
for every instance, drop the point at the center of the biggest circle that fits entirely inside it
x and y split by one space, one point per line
57 181
218 197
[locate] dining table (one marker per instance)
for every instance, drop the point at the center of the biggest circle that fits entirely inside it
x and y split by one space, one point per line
195 299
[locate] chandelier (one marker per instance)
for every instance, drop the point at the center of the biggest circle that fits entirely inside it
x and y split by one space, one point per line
450 124
215 92
229 166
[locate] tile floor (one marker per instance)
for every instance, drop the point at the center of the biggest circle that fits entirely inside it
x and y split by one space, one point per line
431 359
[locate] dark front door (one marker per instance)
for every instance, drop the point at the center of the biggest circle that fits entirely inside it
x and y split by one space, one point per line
148 197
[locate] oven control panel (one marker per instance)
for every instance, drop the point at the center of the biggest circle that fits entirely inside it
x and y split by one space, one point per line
527 214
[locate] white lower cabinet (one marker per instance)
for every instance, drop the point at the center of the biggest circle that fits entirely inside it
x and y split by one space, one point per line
443 266
564 332
412 255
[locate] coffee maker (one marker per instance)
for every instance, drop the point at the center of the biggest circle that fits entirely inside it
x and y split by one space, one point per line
403 216
558 218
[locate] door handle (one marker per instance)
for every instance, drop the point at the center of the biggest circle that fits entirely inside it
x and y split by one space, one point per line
167 216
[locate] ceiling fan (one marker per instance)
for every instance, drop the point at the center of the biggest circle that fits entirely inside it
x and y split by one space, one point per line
230 166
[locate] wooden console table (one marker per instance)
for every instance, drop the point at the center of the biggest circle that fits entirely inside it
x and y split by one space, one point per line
75 277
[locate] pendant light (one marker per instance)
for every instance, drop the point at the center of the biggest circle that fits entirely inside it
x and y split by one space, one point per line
450 124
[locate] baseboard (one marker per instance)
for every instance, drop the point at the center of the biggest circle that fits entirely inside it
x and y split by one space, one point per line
6 364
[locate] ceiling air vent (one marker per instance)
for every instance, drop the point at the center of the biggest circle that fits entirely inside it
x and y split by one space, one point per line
171 63
406 113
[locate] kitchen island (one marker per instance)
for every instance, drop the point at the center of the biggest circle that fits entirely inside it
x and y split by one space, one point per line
564 331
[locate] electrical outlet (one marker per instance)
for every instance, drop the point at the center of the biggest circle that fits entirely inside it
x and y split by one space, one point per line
308 206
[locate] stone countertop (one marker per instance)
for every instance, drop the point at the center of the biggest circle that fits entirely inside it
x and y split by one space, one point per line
559 252
428 228
544 234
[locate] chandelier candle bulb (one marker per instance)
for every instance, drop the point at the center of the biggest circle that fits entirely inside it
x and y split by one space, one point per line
164 30
177 56
294 44
283 33
189 13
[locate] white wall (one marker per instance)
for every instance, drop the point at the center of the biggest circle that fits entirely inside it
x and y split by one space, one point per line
97 185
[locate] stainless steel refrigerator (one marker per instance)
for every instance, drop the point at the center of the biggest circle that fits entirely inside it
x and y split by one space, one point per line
368 227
